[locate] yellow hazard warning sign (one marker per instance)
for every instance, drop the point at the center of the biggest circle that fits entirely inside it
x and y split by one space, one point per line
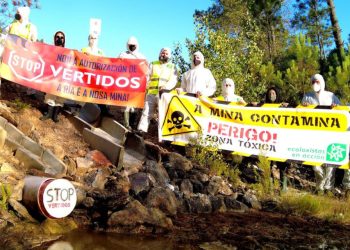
178 120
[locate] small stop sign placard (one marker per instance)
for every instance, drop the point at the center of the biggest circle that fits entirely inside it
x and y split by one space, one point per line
57 198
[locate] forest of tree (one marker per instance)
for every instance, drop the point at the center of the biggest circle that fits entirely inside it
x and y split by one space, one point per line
281 43
262 43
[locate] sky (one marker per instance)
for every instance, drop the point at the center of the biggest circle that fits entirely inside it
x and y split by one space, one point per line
155 23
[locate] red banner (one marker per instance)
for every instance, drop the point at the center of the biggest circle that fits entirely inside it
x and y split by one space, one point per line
74 75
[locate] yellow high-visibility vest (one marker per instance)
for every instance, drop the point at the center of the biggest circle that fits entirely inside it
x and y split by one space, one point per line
87 50
18 30
157 70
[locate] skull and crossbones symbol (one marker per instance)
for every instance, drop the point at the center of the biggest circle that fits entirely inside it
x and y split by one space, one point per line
178 119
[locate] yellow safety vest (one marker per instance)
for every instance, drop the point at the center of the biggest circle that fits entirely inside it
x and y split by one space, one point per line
153 84
87 50
17 29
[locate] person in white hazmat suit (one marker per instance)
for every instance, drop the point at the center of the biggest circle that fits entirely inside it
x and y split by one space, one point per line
162 76
228 92
325 175
132 52
198 80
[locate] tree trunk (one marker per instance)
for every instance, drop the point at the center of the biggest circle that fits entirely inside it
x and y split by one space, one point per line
336 30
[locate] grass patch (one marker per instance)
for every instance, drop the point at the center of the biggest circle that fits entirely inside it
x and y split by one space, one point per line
5 195
19 105
325 207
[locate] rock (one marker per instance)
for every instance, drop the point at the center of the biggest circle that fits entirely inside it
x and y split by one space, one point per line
233 204
186 187
101 178
71 165
218 186
141 182
119 183
3 135
58 151
88 202
180 162
131 164
7 168
218 204
16 192
157 171
98 158
136 214
199 204
250 200
199 176
153 151
198 187
83 165
61 226
21 210
164 199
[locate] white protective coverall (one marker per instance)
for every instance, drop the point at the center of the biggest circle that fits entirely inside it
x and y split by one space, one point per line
228 92
324 174
167 79
132 52
198 78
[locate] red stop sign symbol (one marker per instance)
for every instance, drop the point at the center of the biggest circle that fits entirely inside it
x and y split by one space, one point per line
28 65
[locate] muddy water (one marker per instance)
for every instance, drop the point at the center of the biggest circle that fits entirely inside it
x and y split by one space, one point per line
86 240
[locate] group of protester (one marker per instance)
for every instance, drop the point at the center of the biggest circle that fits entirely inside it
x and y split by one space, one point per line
163 75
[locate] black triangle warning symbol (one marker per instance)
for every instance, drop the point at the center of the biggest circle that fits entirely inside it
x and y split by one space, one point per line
178 120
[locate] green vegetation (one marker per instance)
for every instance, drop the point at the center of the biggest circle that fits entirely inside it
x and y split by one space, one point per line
207 154
325 207
5 195
19 105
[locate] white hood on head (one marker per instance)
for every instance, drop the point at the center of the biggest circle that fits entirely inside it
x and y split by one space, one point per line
201 57
24 12
132 41
320 79
228 90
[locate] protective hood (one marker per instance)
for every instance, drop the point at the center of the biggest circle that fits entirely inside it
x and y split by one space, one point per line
132 41
63 41
201 57
228 87
268 98
24 12
320 79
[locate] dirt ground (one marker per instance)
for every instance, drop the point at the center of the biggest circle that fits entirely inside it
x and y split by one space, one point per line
253 230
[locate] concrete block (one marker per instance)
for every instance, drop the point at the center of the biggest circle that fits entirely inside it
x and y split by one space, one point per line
54 165
14 133
3 122
32 146
29 159
111 149
11 144
79 123
114 128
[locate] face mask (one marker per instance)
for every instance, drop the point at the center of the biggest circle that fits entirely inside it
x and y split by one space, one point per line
196 62
59 41
163 59
316 87
132 47
272 97
17 16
